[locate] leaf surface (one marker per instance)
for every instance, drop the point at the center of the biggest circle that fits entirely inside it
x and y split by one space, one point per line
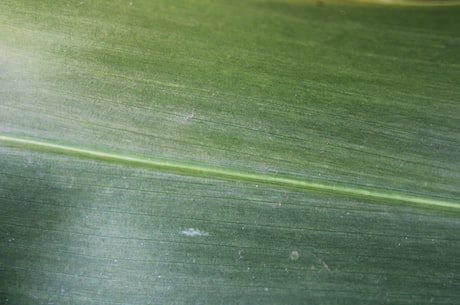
229 152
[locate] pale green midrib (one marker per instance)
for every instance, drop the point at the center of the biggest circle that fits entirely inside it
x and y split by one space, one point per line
205 170
412 2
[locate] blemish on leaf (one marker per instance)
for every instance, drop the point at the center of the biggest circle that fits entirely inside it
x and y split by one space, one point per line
325 266
294 255
194 232
191 115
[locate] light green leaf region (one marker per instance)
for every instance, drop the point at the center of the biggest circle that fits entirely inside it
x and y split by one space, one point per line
229 152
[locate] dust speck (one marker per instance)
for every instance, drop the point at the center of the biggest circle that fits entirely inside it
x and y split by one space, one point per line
194 232
294 255
191 115
326 266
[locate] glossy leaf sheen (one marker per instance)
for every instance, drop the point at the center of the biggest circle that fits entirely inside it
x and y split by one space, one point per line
203 152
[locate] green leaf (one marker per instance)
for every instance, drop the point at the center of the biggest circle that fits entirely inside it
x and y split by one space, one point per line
229 152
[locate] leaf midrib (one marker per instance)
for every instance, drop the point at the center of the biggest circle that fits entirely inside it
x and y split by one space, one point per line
205 170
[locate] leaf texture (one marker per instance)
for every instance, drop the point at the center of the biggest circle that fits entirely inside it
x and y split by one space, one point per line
203 152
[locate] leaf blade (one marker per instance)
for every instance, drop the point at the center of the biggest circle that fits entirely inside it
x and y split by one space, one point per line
358 94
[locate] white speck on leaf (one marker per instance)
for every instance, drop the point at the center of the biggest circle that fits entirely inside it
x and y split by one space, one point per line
194 232
294 255
325 266
191 116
